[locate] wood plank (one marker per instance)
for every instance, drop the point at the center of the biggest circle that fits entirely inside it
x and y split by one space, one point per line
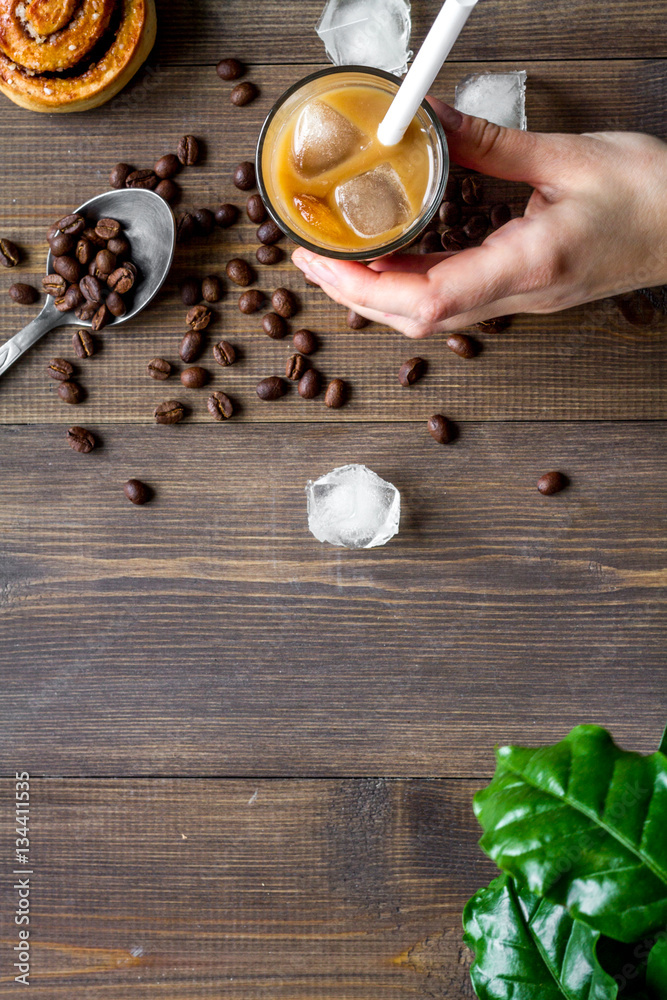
289 889
209 633
584 363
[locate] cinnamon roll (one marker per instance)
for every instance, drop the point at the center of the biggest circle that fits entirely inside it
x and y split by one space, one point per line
72 55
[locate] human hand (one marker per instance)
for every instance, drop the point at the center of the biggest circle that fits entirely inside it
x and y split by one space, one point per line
595 225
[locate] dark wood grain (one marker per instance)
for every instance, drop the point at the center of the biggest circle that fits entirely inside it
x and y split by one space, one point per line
209 633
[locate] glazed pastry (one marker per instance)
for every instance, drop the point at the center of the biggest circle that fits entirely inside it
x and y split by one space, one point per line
72 55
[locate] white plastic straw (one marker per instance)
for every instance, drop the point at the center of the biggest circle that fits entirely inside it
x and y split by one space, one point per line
437 46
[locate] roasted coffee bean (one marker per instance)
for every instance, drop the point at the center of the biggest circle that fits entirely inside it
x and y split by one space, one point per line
471 190
105 262
145 180
101 318
167 166
269 233
186 228
244 175
137 492
251 301
191 346
120 246
70 392
188 150
68 268
226 215
204 221
85 252
495 325
198 317
83 344
92 237
499 215
243 93
440 428
454 239
284 302
635 308
220 406
274 326
55 285
462 345
169 412
119 175
355 321
211 288
91 288
305 341
191 291
22 294
255 209
552 482
476 226
71 225
61 244
115 304
430 243
411 371
295 367
240 272
71 300
269 254
336 394
60 369
86 311
230 69
450 213
81 440
310 384
169 190
10 254
271 388
224 353
159 369
194 378
122 279
108 229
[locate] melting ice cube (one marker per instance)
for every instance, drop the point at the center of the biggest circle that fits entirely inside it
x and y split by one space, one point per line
352 506
367 33
498 97
318 214
374 202
323 138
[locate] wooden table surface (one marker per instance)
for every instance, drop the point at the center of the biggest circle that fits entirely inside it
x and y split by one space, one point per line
253 756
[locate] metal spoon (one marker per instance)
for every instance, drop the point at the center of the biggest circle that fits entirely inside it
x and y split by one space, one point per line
149 225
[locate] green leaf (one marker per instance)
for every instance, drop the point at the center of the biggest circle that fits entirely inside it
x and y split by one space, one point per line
526 947
663 743
656 974
583 823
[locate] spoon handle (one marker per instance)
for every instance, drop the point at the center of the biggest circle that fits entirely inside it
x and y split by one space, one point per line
29 335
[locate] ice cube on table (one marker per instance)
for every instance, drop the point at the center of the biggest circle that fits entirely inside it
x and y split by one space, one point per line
374 202
367 33
323 138
498 97
353 507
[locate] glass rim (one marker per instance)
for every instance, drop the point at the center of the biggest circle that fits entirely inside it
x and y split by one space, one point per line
371 253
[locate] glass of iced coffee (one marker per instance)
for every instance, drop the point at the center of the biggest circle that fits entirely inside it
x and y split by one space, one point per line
330 184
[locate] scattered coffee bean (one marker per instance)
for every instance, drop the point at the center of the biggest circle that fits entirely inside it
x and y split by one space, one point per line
145 180
462 345
194 378
169 190
101 318
211 288
274 326
226 215
120 247
91 288
552 482
271 388
83 344
495 325
191 291
220 406
269 233
284 302
169 412
336 394
22 294
305 341
243 93
167 166
411 371
191 346
454 239
68 268
186 227
119 175
251 301
269 254
635 308
471 190
85 251
159 369
71 225
70 392
295 367
92 237
198 317
108 229
450 213
476 226
60 369
310 384
55 285
430 243
240 272
255 209
244 175
71 300
137 492
122 279
86 311
81 440
499 215
230 69
61 244
204 221
224 353
115 304
355 321
188 150
440 428
10 254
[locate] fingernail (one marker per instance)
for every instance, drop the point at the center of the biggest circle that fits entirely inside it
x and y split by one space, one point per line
322 271
302 257
450 118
